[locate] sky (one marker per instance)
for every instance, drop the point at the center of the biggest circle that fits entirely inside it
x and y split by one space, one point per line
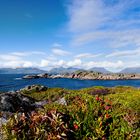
70 33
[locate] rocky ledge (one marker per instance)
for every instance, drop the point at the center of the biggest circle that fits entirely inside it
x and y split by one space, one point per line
13 102
33 88
18 101
100 76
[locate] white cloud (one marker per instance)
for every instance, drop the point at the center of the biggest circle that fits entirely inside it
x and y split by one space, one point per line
61 63
27 53
27 64
17 59
16 63
57 45
87 55
91 20
126 53
85 14
115 39
44 63
105 64
60 52
83 64
8 57
91 14
74 63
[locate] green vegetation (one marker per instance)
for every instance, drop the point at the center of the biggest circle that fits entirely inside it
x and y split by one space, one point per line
96 113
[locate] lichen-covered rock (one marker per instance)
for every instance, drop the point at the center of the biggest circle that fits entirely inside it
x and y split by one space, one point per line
34 88
13 102
62 101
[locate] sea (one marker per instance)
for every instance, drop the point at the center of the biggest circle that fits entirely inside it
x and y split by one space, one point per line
13 82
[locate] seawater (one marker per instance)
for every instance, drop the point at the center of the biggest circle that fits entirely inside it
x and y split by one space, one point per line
12 82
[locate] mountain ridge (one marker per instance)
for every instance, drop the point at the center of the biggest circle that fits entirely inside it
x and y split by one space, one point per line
131 70
21 71
62 70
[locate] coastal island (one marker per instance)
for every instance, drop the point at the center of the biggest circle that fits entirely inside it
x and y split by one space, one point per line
84 75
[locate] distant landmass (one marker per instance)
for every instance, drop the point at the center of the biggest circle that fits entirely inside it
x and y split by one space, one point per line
131 70
62 70
99 69
21 71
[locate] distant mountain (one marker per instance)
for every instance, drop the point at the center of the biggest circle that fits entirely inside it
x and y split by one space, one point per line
62 70
131 70
99 69
21 71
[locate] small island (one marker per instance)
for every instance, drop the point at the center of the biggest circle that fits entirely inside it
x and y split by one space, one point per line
87 75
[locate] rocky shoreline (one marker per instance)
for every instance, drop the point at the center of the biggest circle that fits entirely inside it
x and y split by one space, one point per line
86 75
19 102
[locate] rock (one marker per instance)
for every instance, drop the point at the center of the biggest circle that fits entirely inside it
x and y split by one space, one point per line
45 75
40 104
56 76
62 101
2 121
35 88
30 77
13 102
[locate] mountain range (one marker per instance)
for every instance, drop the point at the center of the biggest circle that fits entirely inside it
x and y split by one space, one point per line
21 71
100 69
131 70
62 70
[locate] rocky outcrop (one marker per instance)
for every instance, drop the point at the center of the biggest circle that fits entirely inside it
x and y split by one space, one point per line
13 102
62 101
100 76
34 88
31 77
91 75
44 75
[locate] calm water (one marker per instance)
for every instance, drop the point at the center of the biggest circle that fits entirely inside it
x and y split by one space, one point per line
10 82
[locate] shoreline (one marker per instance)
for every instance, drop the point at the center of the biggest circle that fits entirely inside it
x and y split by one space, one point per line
85 75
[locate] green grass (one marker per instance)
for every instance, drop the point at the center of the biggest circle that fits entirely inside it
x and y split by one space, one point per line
92 113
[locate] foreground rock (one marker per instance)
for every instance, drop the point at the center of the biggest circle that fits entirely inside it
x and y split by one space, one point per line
13 102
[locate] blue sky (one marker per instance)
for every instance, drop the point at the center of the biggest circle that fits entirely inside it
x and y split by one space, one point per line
70 33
